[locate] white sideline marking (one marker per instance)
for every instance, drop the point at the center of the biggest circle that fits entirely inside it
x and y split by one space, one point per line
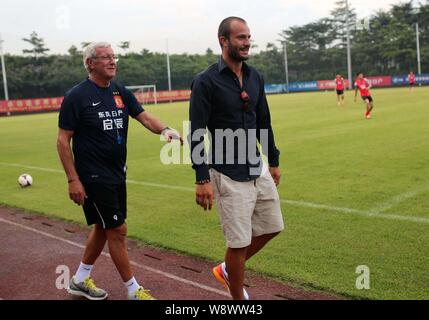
357 212
399 199
376 213
158 185
29 167
162 273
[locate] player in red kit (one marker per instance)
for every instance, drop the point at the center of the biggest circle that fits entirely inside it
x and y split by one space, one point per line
339 85
411 80
362 84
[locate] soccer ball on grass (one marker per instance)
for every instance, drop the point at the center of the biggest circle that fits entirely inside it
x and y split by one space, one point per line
25 180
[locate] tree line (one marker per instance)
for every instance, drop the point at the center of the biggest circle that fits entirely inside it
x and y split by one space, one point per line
382 44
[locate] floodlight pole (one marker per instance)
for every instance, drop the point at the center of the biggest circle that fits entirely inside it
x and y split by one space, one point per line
419 66
168 69
3 70
349 55
286 66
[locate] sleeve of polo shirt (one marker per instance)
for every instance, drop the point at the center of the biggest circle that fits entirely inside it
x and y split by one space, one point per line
134 107
69 115
264 123
199 113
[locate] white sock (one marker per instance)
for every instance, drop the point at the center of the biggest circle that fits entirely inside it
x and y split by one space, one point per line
223 265
224 269
131 285
83 272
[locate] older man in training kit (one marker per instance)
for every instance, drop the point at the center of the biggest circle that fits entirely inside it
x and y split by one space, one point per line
94 116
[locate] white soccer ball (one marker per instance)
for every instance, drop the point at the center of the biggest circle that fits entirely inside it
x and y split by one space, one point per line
25 180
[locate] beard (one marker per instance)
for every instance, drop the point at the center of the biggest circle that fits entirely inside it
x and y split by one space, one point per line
234 54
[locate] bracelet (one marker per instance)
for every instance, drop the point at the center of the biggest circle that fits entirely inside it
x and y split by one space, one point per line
202 182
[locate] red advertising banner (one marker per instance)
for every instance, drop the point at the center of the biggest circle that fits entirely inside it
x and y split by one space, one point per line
380 81
163 96
48 104
377 81
329 84
30 105
3 106
176 95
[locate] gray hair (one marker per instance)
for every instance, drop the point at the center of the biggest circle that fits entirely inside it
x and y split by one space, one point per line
90 52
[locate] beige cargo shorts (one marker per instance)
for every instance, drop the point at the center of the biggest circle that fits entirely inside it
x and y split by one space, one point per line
247 209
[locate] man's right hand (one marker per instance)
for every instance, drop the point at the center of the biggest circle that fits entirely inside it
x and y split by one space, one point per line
77 192
204 195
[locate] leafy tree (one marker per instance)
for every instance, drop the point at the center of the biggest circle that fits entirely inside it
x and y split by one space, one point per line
73 51
38 45
84 44
342 15
124 45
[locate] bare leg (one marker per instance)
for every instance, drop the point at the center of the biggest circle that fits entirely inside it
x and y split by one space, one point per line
94 245
370 106
258 243
117 242
235 260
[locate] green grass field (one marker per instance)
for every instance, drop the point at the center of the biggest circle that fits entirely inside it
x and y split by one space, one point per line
354 191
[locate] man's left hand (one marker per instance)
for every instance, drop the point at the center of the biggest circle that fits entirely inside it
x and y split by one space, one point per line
275 173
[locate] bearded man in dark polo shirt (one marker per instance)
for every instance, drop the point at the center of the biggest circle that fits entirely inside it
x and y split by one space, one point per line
94 115
229 100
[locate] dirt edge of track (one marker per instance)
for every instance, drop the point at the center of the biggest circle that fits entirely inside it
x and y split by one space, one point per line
165 271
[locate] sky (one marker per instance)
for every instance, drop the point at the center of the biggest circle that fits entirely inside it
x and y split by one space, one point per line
189 25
